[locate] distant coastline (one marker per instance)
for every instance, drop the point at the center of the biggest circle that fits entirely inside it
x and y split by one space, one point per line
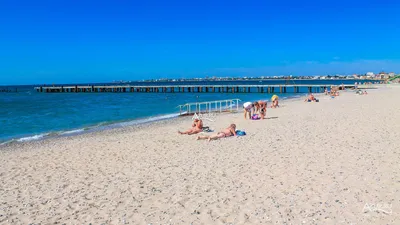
250 79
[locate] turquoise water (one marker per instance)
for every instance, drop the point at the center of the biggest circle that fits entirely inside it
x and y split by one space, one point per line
28 115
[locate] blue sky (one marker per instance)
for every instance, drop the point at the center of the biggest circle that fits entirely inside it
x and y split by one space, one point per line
61 41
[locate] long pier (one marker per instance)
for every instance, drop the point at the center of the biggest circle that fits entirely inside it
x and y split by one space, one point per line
191 88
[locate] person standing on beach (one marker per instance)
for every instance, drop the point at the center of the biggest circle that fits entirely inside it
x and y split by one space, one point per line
256 107
263 108
248 108
275 102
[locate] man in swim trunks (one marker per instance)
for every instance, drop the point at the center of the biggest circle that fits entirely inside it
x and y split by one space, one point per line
197 127
230 131
248 107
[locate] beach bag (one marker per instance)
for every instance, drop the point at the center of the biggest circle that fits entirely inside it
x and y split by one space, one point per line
255 117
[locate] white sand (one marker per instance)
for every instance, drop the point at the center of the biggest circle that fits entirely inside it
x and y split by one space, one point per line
332 162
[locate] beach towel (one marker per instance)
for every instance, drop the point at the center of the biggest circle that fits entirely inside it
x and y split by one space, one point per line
240 133
207 129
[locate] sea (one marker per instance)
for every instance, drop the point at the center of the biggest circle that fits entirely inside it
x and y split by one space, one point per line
27 115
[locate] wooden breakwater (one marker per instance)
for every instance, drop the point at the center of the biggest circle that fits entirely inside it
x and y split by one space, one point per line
8 90
189 88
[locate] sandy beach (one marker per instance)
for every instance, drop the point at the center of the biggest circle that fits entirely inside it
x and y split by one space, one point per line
332 162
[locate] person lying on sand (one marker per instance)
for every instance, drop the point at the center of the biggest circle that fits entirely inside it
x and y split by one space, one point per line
311 98
263 108
230 131
197 127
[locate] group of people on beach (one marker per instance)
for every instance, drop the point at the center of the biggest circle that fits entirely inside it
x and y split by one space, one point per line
253 111
360 92
197 127
334 91
258 109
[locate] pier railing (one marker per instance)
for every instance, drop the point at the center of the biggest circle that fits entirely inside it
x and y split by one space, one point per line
229 105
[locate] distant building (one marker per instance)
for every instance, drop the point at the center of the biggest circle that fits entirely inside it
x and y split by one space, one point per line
383 75
371 74
391 74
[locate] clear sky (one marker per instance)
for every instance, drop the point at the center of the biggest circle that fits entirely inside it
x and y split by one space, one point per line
64 41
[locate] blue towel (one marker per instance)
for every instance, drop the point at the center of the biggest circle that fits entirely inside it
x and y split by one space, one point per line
240 133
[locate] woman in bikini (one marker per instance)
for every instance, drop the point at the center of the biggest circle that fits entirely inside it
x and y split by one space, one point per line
230 131
248 108
310 98
256 107
263 108
197 127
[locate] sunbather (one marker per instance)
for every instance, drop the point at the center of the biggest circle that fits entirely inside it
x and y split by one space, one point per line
230 131
197 127
311 98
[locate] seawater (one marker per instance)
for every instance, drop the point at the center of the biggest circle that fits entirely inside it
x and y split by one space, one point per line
28 115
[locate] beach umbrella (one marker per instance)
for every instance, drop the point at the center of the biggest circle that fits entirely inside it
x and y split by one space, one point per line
274 97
